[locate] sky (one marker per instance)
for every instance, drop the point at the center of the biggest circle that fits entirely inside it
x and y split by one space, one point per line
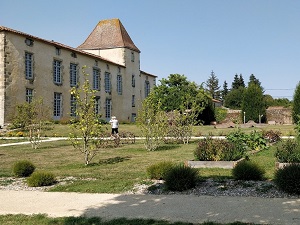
188 37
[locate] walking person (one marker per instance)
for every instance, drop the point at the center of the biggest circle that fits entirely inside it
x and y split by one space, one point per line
114 126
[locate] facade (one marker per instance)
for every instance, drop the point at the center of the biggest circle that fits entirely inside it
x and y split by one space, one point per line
32 66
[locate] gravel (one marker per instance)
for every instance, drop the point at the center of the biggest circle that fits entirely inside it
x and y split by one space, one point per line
211 187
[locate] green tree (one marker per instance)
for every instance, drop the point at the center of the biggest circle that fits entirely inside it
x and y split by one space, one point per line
212 85
225 90
32 117
241 81
153 122
238 81
234 98
177 93
253 103
86 124
296 104
253 79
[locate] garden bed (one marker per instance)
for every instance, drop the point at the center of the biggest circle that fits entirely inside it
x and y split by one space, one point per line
213 164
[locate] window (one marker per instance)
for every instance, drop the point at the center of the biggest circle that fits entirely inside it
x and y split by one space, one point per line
119 84
29 42
28 66
74 55
73 106
108 108
132 56
107 83
73 75
96 79
133 117
29 95
147 88
133 80
133 101
57 51
57 72
97 105
57 106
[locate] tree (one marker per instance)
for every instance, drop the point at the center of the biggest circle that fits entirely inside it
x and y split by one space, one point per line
86 123
177 93
234 98
153 122
253 103
212 85
238 81
296 104
253 79
225 90
31 117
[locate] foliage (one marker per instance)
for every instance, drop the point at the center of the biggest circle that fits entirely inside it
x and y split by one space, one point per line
296 104
238 82
220 114
252 141
153 123
234 98
248 170
23 168
284 102
158 170
41 178
254 80
180 178
288 151
225 90
32 116
287 179
272 136
209 149
86 128
212 86
253 103
177 93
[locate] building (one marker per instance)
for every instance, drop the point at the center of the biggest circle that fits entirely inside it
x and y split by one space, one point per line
32 66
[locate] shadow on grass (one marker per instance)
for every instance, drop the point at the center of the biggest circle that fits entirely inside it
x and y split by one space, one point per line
113 160
167 147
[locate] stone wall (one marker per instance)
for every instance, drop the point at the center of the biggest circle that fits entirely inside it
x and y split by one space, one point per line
275 115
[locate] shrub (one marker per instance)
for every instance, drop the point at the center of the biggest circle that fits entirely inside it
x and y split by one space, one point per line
247 170
209 149
158 170
40 178
180 178
288 151
23 168
287 179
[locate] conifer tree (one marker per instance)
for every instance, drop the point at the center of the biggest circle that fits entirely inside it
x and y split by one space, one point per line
212 85
296 104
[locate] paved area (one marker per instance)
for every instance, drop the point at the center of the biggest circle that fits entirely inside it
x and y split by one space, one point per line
186 208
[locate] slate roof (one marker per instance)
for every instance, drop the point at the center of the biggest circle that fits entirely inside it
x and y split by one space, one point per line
108 34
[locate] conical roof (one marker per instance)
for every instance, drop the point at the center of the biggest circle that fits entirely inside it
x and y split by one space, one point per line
108 34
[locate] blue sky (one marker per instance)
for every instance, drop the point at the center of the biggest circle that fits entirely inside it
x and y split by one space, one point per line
189 37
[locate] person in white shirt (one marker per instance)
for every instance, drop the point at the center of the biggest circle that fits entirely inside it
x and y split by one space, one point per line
114 125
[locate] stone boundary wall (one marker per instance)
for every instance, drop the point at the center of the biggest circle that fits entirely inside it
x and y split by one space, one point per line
275 115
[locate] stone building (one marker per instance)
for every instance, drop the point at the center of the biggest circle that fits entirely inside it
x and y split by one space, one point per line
32 66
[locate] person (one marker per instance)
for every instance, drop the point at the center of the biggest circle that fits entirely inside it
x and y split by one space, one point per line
114 125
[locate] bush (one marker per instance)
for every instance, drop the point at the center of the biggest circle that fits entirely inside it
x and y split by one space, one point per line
209 149
23 168
287 179
247 170
288 151
157 171
40 178
180 178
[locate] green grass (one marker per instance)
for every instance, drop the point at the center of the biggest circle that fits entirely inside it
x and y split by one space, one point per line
43 219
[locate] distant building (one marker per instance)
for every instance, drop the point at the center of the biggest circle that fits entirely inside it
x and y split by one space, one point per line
32 66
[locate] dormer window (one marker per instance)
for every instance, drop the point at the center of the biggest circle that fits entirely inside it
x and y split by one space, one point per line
29 42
